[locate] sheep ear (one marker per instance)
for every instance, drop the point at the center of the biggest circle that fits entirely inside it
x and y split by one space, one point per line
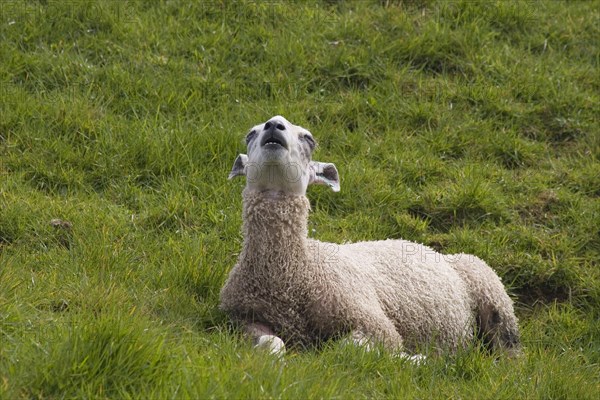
239 166
324 174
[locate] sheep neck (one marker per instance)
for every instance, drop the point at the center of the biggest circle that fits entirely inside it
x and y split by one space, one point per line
274 227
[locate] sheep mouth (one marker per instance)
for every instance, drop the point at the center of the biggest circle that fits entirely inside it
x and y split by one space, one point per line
274 140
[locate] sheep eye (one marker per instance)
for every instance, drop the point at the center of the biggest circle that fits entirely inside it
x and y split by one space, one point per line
250 136
311 142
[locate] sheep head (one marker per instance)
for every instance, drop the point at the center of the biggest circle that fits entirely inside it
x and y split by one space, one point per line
279 160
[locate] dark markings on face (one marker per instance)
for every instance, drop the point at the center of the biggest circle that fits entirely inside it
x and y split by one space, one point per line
306 142
307 145
250 136
309 140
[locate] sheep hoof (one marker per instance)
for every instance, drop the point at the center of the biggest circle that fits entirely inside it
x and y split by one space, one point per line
361 342
270 343
417 359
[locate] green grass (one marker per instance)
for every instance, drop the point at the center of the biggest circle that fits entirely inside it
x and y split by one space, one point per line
468 126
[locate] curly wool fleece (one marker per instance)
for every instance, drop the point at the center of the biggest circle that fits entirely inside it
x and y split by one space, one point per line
395 292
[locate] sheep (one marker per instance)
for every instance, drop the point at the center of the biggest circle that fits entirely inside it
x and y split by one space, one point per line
290 290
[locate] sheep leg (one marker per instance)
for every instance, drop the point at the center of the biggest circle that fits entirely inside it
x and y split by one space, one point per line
382 331
495 314
359 339
498 328
264 338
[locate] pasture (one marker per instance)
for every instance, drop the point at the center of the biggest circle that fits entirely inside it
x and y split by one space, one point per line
467 126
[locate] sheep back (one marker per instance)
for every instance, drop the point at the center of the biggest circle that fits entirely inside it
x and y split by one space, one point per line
414 286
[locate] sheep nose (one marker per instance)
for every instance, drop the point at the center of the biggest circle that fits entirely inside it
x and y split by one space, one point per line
274 125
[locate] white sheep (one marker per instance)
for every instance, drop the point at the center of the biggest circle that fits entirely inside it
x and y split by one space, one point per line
287 289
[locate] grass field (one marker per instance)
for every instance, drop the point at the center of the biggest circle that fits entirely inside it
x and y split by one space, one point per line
467 126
